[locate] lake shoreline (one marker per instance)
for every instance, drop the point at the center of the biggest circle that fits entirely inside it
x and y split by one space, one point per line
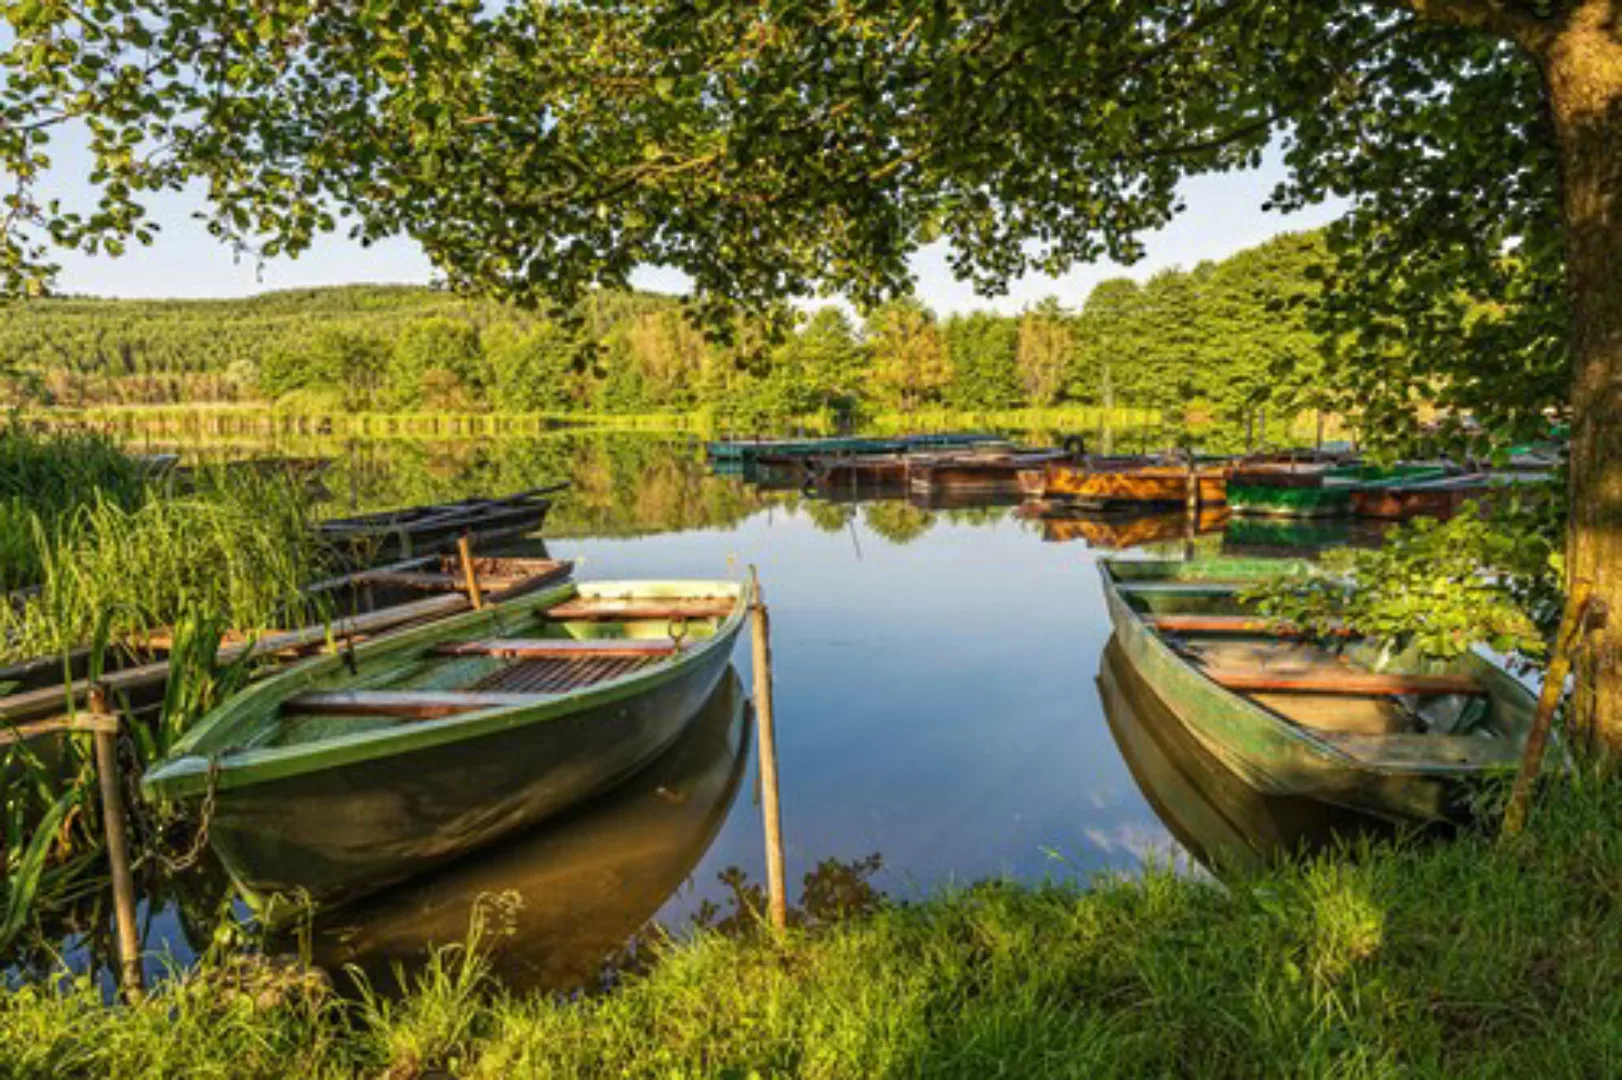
1469 957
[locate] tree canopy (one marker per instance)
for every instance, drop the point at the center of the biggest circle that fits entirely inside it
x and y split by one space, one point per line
783 148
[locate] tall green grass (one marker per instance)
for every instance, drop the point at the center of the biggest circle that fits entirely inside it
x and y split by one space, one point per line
240 544
230 553
49 474
1469 958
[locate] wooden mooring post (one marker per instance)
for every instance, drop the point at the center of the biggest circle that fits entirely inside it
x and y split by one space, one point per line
1580 617
770 807
1191 508
118 848
470 575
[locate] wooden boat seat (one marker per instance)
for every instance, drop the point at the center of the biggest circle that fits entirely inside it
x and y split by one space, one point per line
1179 588
407 704
587 609
1318 688
560 648
1345 684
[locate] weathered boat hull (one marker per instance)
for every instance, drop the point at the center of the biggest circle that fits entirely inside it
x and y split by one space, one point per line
1105 488
334 819
402 534
1217 817
1401 504
608 866
1290 501
747 450
1281 758
985 475
340 833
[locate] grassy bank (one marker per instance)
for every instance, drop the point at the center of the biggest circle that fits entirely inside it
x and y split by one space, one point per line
1468 958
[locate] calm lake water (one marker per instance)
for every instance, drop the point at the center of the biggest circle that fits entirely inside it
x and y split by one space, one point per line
941 718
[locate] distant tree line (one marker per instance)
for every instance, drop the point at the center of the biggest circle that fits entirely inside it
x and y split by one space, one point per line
1224 337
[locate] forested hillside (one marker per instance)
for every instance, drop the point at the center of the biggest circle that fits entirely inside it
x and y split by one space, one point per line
1220 338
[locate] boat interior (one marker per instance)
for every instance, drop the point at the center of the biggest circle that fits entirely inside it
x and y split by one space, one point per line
512 658
1371 702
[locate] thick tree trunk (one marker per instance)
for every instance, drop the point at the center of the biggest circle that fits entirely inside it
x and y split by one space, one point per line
1583 67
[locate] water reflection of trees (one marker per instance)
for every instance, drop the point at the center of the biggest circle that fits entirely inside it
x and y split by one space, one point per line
832 892
898 522
620 483
829 517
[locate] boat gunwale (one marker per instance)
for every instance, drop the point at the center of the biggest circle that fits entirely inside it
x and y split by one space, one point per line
187 773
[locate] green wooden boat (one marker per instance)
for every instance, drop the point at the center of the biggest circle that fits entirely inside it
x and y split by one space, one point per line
585 881
1313 490
437 740
1223 822
1400 736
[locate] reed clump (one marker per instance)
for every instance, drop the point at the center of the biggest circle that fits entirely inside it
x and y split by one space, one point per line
239 543
47 475
1466 958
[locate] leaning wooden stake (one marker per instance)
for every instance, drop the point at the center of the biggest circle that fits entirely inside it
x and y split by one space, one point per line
470 576
118 850
769 806
1578 610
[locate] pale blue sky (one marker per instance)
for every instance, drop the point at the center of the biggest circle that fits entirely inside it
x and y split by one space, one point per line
1224 215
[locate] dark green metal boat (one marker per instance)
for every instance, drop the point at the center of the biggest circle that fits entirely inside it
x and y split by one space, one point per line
438 740
1313 490
1400 736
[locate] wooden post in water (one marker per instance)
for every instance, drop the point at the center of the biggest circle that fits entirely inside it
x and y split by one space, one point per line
1578 618
1191 507
470 576
118 850
770 808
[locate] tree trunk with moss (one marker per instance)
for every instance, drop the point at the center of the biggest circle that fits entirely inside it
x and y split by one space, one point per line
1582 65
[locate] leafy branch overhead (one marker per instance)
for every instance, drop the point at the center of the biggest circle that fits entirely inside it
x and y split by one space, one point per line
1439 588
777 149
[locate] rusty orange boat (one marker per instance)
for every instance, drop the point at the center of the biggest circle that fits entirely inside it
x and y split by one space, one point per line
1109 486
1439 498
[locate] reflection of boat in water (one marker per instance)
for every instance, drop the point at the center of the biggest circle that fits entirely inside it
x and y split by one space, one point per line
1219 819
584 883
952 499
1272 537
1111 532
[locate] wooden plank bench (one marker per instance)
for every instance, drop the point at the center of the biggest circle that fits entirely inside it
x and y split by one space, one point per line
1230 624
1344 684
560 648
585 608
1179 588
